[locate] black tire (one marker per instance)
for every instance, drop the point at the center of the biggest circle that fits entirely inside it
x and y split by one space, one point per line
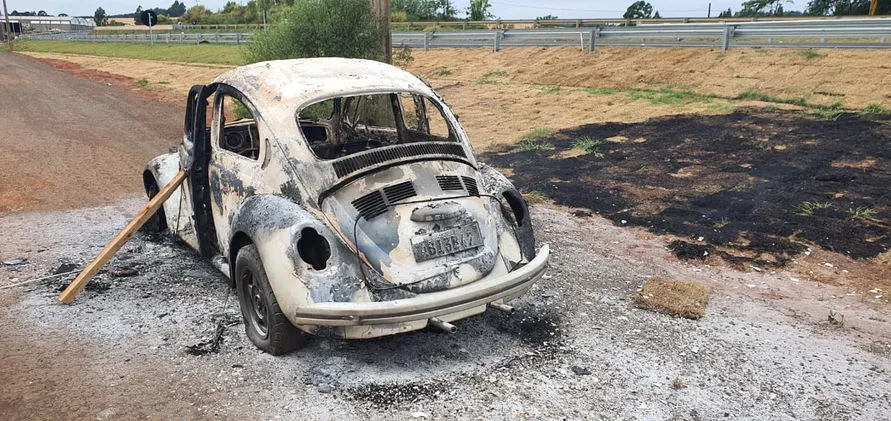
158 222
264 323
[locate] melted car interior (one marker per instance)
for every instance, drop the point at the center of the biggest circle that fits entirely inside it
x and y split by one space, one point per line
343 126
239 129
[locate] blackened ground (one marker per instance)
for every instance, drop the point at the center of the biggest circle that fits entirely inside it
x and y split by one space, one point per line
763 184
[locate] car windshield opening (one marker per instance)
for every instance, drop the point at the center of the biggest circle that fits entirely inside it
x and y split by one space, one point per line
343 126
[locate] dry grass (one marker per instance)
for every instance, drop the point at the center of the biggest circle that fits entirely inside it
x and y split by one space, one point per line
678 384
169 80
611 85
850 76
184 53
685 299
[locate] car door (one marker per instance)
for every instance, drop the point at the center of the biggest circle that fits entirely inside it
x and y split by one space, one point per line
234 171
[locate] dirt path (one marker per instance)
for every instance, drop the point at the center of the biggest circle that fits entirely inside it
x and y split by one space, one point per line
71 141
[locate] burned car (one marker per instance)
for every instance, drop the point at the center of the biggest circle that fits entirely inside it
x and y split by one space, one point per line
342 198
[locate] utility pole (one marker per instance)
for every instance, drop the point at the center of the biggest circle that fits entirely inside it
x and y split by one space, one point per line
709 9
8 28
381 9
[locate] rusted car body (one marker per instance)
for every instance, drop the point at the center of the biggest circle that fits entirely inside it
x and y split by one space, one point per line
342 196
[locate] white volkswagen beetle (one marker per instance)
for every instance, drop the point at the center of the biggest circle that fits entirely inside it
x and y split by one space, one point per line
342 198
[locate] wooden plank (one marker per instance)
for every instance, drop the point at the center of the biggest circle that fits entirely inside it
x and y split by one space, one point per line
77 286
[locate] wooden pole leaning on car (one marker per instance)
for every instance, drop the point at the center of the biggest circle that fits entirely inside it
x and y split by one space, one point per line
77 286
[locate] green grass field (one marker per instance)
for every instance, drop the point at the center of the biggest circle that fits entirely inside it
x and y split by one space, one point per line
185 53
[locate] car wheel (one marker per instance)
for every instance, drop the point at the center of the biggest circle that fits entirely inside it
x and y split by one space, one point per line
265 324
158 222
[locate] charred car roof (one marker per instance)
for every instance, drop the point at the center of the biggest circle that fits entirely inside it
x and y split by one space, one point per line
289 85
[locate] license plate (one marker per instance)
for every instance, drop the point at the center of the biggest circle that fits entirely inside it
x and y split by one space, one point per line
447 242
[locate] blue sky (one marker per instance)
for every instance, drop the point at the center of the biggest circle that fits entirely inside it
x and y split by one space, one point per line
509 9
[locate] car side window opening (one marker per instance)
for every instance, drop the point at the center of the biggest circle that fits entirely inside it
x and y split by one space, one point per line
343 126
238 128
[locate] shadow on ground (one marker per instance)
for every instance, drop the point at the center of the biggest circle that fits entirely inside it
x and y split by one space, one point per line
761 186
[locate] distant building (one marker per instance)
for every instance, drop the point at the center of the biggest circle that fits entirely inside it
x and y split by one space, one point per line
21 24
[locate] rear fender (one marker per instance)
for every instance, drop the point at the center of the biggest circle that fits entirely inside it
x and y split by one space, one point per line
301 268
516 210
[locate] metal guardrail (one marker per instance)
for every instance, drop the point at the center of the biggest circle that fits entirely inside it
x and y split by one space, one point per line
166 37
580 23
837 33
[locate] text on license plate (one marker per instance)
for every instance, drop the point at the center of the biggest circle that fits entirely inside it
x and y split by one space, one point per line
447 242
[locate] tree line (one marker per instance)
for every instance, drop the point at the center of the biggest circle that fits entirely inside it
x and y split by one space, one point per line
763 8
766 8
262 11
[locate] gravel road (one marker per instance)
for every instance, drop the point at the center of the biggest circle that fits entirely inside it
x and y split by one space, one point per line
143 345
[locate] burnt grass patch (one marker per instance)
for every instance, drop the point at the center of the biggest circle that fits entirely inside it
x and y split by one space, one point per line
751 186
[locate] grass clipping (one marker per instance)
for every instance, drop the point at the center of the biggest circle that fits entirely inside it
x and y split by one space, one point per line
685 299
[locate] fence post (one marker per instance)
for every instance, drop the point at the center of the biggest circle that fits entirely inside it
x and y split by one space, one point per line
167 37
426 41
238 38
198 38
497 41
591 41
725 37
218 38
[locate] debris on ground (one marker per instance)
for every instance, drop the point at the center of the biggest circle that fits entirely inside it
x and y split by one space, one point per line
580 371
123 272
15 262
836 319
212 345
95 286
689 251
65 267
685 299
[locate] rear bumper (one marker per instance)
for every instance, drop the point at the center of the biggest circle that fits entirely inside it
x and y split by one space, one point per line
430 305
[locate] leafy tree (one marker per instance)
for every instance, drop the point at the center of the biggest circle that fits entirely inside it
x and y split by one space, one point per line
195 15
844 7
320 28
63 14
100 17
754 8
656 15
42 13
416 9
176 9
446 10
639 10
230 7
137 16
547 17
479 10
726 14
